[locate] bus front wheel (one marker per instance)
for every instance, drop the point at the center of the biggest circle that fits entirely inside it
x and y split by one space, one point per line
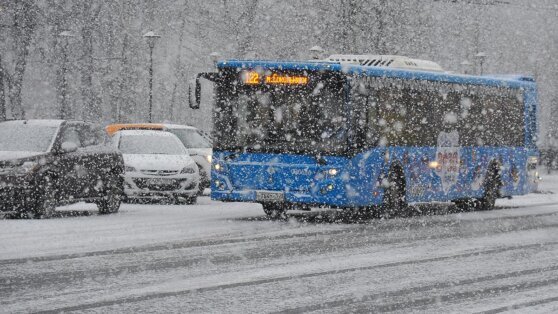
394 202
275 211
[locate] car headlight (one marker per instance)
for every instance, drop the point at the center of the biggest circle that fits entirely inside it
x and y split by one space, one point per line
188 170
208 158
129 169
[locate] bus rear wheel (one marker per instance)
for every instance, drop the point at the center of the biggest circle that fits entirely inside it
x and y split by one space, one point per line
275 211
491 191
394 202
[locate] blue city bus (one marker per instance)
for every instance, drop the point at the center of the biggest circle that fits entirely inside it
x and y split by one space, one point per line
368 133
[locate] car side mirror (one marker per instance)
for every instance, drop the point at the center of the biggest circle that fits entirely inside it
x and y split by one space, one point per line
68 147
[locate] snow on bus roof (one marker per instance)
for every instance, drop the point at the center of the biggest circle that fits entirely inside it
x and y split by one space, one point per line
510 81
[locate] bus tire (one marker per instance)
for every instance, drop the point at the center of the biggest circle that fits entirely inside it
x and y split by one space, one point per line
275 211
491 188
466 204
395 202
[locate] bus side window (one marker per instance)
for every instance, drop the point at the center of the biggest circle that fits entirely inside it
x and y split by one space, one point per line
364 115
391 114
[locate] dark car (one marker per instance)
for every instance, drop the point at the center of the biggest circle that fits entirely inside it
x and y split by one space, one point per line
45 163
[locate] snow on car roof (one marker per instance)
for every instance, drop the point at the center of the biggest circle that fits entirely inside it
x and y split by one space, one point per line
178 126
145 132
113 128
38 122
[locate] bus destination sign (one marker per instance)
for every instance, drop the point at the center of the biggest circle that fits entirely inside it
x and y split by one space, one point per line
254 78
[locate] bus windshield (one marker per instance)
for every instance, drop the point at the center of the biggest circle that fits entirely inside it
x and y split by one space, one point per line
300 113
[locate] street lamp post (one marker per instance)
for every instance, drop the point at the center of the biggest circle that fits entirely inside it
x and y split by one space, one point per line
151 38
64 108
466 66
481 56
316 52
214 57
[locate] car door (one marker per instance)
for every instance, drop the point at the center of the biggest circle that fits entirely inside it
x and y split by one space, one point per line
69 171
96 160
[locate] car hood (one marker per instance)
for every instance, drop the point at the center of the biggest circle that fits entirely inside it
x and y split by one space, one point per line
6 155
199 151
157 162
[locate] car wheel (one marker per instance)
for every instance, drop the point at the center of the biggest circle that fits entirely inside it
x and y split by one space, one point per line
275 211
45 205
110 203
192 200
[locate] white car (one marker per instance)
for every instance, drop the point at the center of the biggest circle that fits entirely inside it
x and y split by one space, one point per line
157 166
199 147
197 143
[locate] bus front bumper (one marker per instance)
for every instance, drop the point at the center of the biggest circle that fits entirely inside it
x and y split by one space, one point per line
324 198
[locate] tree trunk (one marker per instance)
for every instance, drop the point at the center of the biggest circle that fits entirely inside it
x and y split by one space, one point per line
25 15
91 102
2 93
245 43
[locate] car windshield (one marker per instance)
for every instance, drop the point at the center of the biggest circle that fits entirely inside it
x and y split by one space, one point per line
191 138
26 137
150 144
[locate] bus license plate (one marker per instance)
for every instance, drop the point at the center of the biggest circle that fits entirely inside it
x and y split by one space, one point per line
276 197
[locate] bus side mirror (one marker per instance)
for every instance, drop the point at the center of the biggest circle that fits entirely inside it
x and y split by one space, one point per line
194 89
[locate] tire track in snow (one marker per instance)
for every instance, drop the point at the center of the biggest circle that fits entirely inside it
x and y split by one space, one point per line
437 299
329 305
520 306
32 280
215 242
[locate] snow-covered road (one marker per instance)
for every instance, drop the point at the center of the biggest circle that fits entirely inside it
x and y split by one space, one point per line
225 257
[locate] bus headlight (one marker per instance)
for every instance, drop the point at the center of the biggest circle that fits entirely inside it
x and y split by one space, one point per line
220 185
333 172
217 167
208 158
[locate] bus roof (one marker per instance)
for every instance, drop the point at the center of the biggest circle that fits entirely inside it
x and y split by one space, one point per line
510 81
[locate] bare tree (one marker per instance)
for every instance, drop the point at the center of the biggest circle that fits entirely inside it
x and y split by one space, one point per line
24 16
91 101
2 93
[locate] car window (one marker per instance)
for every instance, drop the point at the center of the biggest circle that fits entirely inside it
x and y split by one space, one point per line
151 144
71 134
91 135
191 138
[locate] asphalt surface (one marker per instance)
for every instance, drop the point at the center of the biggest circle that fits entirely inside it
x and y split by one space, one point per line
490 262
